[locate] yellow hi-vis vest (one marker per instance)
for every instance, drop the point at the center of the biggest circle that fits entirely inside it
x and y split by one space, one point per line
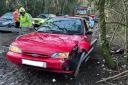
25 21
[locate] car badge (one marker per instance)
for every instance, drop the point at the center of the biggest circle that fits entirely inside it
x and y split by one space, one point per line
34 55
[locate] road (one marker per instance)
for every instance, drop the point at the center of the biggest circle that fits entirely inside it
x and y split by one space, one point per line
11 74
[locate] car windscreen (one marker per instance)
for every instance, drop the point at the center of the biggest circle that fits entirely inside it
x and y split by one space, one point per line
8 16
62 26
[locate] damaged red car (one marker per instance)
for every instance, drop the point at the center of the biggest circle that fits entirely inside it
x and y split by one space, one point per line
60 45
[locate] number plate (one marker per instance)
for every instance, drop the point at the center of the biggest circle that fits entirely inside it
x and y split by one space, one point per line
34 63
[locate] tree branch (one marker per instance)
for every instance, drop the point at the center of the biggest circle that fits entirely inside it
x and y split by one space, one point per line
117 23
114 32
113 77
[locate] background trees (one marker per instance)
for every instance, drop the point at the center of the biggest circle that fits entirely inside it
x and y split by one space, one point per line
117 22
114 29
36 7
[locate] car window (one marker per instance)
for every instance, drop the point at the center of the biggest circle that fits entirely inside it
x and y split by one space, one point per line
62 26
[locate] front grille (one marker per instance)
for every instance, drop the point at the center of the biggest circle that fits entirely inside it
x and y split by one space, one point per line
34 54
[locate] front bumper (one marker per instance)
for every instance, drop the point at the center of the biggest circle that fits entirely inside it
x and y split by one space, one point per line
53 64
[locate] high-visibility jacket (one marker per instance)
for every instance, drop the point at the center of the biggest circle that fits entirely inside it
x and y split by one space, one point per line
25 21
15 16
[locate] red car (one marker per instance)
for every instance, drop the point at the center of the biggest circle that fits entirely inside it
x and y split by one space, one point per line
60 45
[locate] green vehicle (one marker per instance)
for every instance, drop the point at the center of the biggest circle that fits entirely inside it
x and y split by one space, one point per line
41 19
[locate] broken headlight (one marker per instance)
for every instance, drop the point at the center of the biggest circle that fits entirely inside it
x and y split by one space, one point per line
61 55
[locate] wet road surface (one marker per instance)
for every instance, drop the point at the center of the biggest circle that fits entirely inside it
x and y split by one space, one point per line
11 74
6 38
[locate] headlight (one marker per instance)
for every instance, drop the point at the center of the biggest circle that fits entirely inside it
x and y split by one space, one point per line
15 49
60 55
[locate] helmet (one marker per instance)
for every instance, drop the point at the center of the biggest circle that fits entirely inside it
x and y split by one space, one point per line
21 9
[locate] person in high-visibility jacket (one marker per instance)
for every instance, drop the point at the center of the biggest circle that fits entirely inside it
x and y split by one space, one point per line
25 20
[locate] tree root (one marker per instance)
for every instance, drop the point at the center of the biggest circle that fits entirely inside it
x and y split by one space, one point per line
115 77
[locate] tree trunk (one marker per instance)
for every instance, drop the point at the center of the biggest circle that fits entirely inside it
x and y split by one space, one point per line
104 46
126 36
126 28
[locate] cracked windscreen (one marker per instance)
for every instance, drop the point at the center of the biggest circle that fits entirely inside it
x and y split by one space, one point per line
62 26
